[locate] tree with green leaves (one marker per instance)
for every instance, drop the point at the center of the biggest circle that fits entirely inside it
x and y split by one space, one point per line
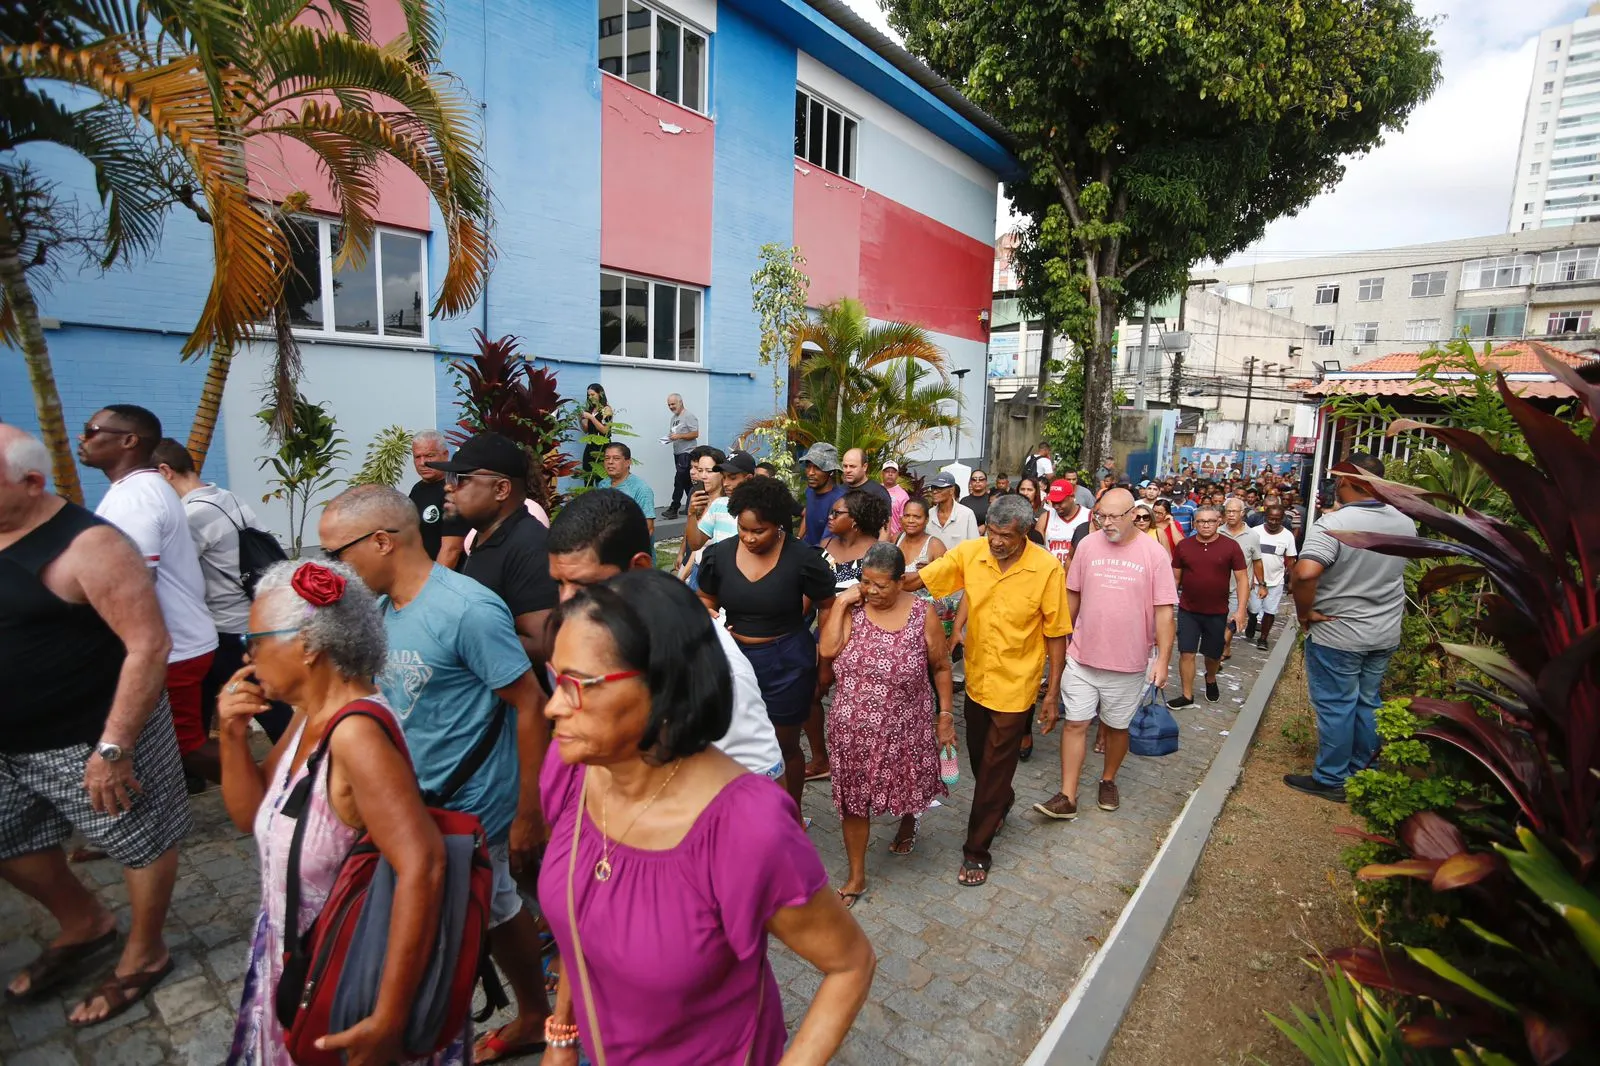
1157 133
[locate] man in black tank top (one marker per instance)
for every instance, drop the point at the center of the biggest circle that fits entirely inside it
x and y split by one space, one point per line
86 734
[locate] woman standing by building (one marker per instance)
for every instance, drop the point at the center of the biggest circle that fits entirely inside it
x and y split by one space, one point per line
594 421
769 581
883 733
668 864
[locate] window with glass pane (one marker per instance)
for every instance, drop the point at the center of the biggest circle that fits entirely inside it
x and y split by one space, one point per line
1370 289
612 35
1327 294
1492 321
824 136
669 59
694 60
1568 264
355 292
639 48
303 287
664 321
1495 273
1364 332
1422 329
1280 299
1324 336
816 130
835 132
636 319
688 326
610 314
801 105
848 165
1428 284
1567 322
402 284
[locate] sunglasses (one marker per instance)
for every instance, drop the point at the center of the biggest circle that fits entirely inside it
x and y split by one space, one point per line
335 553
93 429
251 639
572 687
453 480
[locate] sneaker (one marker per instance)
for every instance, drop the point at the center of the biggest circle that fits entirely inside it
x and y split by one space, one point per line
1213 693
1180 701
1250 627
1109 800
1312 787
1261 645
671 513
1058 807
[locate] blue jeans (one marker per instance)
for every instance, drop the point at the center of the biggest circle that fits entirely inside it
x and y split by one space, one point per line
1344 690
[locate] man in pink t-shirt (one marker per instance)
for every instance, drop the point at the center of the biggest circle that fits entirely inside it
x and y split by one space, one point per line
1122 596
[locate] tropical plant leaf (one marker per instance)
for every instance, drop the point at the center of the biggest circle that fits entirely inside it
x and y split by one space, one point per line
1376 968
1467 868
1440 577
1428 835
1437 963
1421 869
1499 668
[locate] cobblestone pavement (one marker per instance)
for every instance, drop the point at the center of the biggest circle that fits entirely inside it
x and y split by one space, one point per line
965 975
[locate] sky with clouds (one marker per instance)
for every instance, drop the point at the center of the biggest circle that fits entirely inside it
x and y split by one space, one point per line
1448 174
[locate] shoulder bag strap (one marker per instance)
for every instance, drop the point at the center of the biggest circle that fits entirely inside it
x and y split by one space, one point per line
473 762
598 1051
238 530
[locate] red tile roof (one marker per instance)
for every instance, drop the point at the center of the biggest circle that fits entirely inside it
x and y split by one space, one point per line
1415 387
1520 357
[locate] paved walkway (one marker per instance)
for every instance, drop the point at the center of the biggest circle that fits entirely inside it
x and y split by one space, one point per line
965 975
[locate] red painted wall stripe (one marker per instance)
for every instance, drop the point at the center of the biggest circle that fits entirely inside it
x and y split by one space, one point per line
827 230
656 161
914 269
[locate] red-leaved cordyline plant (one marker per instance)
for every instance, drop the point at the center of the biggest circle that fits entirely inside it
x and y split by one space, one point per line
1534 992
501 392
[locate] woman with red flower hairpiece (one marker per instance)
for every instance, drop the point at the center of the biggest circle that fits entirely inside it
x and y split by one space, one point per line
316 640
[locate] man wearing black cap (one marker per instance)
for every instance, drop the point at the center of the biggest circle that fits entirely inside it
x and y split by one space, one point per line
709 520
948 520
486 485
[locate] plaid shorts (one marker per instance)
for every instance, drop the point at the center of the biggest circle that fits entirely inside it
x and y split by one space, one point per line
42 799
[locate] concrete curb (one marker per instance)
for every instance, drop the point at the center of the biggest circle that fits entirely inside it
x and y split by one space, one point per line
1083 1029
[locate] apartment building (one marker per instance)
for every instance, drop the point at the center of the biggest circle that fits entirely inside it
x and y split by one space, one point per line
1557 180
1536 283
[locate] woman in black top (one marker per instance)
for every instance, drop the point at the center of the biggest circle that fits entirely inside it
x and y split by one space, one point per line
768 582
594 420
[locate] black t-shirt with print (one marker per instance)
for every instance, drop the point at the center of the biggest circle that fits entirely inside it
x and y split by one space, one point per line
428 496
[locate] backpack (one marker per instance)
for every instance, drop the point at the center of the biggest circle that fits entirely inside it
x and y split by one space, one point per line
1153 730
258 551
332 972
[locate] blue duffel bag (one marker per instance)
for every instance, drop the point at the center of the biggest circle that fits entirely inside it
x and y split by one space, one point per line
1153 730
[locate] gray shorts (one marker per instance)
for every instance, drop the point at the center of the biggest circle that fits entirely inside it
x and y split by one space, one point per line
42 799
508 899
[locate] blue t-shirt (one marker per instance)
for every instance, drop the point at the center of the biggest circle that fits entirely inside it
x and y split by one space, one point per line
1183 514
817 508
449 650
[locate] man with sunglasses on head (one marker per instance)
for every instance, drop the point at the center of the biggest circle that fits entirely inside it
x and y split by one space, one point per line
120 442
459 682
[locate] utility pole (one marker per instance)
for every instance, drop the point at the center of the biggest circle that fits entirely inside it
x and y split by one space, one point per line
1144 360
1175 388
1249 390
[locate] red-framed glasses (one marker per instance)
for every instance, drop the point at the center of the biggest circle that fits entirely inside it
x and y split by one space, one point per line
573 686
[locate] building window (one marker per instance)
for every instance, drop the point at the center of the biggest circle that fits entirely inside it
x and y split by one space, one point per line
383 297
1538 146
1549 87
1555 45
1327 294
1566 322
1324 336
1542 128
824 136
1428 284
1569 264
1364 332
1492 321
654 52
1533 168
1280 299
645 319
1496 273
1369 289
1544 108
1527 209
1550 67
1422 329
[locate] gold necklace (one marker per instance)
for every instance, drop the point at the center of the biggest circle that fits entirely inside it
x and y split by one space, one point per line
602 869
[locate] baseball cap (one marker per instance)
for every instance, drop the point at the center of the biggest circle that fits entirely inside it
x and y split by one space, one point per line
488 451
890 464
1060 490
738 463
942 481
1144 484
822 456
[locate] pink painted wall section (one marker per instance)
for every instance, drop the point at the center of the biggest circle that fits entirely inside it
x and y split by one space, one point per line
827 229
655 185
914 269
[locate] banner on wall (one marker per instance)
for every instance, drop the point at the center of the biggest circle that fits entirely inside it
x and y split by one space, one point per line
1212 463
1003 350
1166 442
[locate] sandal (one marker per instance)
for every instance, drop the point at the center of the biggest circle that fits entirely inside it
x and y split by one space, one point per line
493 1048
850 898
972 874
818 773
58 964
905 845
121 993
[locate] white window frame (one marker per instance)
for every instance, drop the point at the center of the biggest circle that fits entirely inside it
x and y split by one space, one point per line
1557 322
1423 329
1330 291
1542 128
325 256
1569 264
1369 289
1497 272
1281 298
1428 277
649 357
1533 168
1324 336
1549 87
849 134
684 25
1364 332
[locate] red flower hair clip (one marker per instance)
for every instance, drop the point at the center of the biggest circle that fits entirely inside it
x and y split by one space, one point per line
317 585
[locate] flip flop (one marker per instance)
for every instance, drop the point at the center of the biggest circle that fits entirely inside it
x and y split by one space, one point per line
58 964
968 868
82 855
496 1049
906 845
819 775
850 898
121 993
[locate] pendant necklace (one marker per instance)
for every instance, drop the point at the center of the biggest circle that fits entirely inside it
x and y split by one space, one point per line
602 869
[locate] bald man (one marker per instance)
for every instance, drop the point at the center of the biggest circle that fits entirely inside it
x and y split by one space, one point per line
681 434
854 471
458 680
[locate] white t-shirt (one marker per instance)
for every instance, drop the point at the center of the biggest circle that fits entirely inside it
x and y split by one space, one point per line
750 741
215 518
1046 468
148 511
1058 532
1276 550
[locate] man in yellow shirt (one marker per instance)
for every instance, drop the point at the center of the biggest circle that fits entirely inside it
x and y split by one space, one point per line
1016 619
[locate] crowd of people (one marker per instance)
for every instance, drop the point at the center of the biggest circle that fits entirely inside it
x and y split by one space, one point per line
546 675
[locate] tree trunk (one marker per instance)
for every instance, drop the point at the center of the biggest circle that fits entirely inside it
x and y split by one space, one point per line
1097 392
1047 341
210 408
36 354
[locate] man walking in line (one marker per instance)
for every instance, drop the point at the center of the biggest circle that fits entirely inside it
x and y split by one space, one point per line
953 523
1081 493
683 431
1121 595
1277 561
897 496
1350 602
1235 528
459 682
821 465
855 474
1063 521
1206 566
119 442
216 519
618 460
1017 626
443 534
86 736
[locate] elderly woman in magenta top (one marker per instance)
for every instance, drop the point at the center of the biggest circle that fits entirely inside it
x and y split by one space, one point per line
668 864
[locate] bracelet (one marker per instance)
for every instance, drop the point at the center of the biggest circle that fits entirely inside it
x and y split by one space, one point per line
569 1042
950 713
555 1033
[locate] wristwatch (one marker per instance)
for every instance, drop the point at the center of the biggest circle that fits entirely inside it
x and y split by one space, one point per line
112 752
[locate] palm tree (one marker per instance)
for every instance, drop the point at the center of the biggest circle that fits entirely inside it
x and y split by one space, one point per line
911 408
206 76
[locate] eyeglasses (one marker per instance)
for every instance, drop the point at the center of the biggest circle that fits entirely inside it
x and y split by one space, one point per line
837 514
453 480
1141 518
1102 517
92 429
572 687
335 553
250 639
